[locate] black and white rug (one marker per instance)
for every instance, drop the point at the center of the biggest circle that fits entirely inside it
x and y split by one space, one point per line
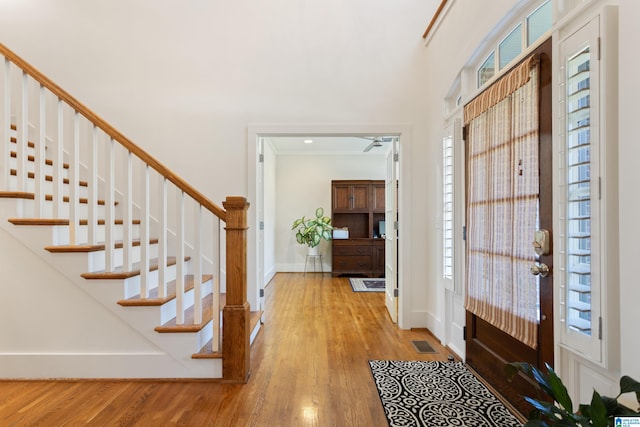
417 393
366 284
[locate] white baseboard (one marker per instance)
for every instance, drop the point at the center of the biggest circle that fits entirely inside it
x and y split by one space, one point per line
299 268
105 365
268 276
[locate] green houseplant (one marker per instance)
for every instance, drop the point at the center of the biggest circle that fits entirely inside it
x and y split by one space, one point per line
560 411
311 231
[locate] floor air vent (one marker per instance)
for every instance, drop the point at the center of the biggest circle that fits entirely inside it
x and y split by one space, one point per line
422 347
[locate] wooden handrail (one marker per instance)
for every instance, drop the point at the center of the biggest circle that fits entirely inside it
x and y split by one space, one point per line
113 133
434 19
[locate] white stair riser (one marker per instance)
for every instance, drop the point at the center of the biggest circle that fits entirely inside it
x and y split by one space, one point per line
61 234
31 166
96 261
206 333
168 310
48 187
132 285
28 210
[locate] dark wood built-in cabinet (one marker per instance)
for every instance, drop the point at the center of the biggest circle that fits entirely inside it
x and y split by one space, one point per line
358 205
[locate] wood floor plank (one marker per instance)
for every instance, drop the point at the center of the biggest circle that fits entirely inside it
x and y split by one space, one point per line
309 368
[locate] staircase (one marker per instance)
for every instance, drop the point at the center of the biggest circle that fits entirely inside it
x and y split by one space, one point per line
117 242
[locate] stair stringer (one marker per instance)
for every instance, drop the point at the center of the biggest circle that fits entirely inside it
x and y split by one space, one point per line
155 355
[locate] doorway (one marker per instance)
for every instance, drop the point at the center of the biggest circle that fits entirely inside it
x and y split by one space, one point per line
489 346
255 271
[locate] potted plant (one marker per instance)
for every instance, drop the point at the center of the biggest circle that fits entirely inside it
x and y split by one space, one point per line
311 231
560 411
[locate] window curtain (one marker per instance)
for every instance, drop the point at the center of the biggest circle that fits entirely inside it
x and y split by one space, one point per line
502 203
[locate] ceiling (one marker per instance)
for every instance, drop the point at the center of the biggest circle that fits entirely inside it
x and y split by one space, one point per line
295 145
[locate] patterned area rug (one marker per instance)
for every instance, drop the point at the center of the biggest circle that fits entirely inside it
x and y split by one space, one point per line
436 394
366 285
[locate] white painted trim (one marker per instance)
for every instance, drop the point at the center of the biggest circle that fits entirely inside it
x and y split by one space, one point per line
403 131
435 324
104 365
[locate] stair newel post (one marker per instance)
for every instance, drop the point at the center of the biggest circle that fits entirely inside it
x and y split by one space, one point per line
236 334
5 119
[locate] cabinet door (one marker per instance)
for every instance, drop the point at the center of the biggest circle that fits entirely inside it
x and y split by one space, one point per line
378 197
360 198
378 260
341 197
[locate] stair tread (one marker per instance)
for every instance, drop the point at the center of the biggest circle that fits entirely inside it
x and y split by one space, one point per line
62 221
206 351
189 325
154 300
118 244
48 178
119 273
47 197
16 195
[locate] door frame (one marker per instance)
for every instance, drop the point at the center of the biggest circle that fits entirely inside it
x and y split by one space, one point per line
391 236
402 131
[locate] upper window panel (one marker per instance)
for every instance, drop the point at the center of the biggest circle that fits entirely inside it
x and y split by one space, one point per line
487 69
529 29
539 22
511 46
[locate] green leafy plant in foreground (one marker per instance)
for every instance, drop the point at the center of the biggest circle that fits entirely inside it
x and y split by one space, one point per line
311 231
561 412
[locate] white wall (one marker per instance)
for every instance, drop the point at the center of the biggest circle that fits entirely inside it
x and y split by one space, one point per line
303 183
51 327
444 64
184 78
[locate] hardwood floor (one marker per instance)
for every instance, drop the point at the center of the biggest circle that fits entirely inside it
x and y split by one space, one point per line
309 368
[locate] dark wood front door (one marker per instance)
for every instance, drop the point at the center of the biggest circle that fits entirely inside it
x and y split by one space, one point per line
487 347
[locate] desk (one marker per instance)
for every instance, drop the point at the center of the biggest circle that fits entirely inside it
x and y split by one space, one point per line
313 258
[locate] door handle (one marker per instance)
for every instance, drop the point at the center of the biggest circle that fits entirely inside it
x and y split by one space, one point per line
540 269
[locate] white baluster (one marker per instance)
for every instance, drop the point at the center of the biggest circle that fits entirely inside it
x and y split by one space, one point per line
215 342
23 136
92 225
74 182
127 210
109 206
197 265
162 241
58 160
144 235
180 259
39 157
5 125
